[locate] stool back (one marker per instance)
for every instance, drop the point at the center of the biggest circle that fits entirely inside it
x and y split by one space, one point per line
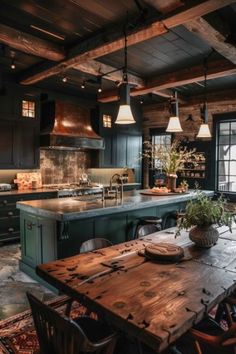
146 230
94 244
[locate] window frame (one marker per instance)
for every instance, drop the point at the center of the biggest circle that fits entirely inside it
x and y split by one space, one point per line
217 120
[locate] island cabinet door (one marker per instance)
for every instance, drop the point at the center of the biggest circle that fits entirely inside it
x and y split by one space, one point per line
71 235
38 237
112 227
30 240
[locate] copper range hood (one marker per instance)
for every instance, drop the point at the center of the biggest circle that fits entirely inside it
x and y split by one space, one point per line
67 126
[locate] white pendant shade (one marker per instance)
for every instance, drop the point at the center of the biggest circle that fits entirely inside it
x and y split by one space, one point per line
204 131
125 115
174 125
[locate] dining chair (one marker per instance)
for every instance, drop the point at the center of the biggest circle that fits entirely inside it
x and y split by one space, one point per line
59 334
94 244
208 337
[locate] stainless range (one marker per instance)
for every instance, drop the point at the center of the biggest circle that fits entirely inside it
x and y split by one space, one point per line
74 189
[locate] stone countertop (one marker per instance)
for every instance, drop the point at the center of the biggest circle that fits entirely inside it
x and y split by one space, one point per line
46 190
27 191
66 209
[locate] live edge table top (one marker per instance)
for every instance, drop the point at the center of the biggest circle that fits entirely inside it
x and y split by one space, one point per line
154 302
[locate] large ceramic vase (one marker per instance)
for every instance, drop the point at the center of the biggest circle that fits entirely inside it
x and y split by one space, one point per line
171 182
204 236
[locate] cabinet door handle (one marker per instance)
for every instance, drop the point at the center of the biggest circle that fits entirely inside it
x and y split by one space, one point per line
30 225
10 213
4 202
10 229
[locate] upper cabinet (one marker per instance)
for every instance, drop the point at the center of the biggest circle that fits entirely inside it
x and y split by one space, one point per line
123 143
19 130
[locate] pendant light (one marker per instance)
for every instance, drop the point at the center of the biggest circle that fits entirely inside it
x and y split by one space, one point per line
204 131
174 125
125 115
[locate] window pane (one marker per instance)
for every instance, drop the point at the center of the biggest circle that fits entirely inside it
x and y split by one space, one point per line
233 152
223 167
233 128
232 168
223 152
224 139
232 183
233 139
224 128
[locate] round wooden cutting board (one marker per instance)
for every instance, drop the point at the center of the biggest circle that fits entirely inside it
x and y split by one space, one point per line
164 252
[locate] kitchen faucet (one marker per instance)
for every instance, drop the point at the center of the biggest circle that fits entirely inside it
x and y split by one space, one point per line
111 193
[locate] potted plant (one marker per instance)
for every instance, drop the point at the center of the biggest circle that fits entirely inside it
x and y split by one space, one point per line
202 215
170 159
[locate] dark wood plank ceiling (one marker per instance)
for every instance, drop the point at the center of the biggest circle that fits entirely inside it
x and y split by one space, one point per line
72 23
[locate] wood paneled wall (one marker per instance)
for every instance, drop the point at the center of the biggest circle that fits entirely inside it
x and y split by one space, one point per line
157 116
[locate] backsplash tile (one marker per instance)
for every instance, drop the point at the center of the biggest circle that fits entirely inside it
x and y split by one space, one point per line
62 166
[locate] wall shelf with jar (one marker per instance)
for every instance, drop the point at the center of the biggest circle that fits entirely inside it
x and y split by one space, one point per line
193 169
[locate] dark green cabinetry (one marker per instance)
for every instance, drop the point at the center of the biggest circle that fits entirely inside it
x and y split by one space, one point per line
9 215
112 227
123 143
28 146
71 235
19 136
38 244
8 144
19 144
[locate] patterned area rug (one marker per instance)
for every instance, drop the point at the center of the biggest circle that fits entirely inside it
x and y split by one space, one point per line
17 333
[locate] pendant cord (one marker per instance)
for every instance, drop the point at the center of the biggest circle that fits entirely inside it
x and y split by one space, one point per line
125 78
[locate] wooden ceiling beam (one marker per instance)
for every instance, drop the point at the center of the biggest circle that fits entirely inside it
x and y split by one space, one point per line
97 68
157 28
221 97
214 38
30 44
216 69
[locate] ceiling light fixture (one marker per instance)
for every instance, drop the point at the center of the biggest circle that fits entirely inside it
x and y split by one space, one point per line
99 79
204 131
125 115
13 65
64 79
174 125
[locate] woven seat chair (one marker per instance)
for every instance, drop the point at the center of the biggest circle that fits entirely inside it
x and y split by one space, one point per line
59 334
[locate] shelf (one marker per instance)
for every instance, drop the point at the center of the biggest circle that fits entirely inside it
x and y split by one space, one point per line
193 169
192 177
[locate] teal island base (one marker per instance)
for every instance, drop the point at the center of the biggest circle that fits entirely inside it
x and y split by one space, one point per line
56 228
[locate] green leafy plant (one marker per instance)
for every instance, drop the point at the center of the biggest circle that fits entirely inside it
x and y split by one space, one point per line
170 158
203 212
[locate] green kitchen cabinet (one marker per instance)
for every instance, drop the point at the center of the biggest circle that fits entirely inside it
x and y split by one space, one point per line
112 227
71 235
10 216
38 244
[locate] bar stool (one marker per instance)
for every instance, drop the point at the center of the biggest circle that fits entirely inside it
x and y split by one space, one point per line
148 220
170 219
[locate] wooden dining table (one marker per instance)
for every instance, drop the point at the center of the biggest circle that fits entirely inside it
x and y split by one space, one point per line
151 301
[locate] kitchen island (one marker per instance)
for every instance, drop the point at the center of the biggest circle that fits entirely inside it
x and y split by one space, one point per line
55 228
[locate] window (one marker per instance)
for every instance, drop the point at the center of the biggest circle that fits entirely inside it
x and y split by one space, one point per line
160 139
226 155
28 109
106 120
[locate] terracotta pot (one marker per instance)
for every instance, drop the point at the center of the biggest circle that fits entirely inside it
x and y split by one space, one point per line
171 182
205 236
